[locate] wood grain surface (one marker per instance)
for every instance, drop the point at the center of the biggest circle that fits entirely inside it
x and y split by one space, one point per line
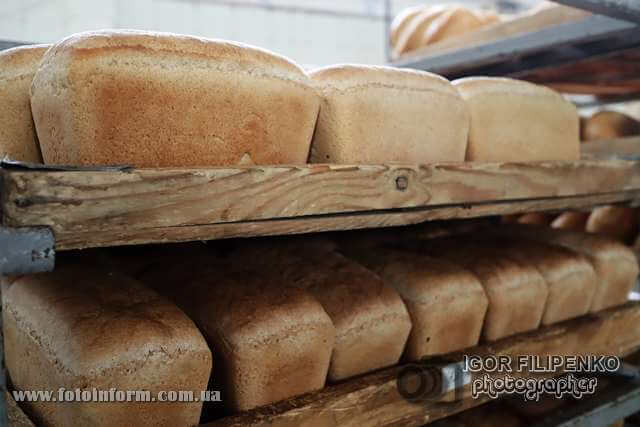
87 209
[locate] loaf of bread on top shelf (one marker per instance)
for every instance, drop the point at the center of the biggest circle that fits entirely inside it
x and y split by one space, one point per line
402 20
384 114
163 100
609 125
18 139
447 303
83 327
618 222
271 341
614 263
517 293
409 36
571 220
517 121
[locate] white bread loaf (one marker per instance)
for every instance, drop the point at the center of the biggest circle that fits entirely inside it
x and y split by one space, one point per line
82 327
614 263
402 21
160 100
410 37
384 114
517 293
18 139
453 22
447 303
370 319
570 277
516 121
271 341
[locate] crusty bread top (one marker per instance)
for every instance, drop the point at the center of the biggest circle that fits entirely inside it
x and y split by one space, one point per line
80 316
21 60
402 20
348 76
238 56
473 86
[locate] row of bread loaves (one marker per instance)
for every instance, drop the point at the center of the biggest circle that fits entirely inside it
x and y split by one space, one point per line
163 100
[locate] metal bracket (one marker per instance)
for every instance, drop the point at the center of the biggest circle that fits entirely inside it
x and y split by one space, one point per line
26 250
628 10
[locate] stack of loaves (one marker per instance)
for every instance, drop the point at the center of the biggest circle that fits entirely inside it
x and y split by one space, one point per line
280 318
162 100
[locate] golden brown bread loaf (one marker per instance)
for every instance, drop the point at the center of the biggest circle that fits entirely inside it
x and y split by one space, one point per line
18 139
618 222
610 125
614 263
370 320
571 220
447 303
384 114
82 327
517 293
570 277
271 341
517 121
158 99
535 218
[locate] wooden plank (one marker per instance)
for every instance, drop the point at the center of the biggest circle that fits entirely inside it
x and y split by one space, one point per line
132 236
373 400
627 148
101 208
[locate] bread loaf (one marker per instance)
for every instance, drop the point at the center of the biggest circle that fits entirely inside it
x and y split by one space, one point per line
85 328
535 218
517 293
411 36
402 21
610 125
384 114
570 278
18 139
571 220
618 222
614 263
447 303
453 22
370 319
516 121
271 341
157 99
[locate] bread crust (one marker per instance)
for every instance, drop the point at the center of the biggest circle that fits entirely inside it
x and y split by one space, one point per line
69 328
384 114
165 100
517 121
18 139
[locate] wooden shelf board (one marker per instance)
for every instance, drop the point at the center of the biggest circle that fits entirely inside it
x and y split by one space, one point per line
374 400
108 208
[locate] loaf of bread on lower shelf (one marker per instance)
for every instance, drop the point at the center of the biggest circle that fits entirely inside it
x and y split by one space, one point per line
614 263
384 114
161 100
18 139
447 303
271 341
370 319
570 277
618 222
517 293
84 328
609 125
571 220
517 121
